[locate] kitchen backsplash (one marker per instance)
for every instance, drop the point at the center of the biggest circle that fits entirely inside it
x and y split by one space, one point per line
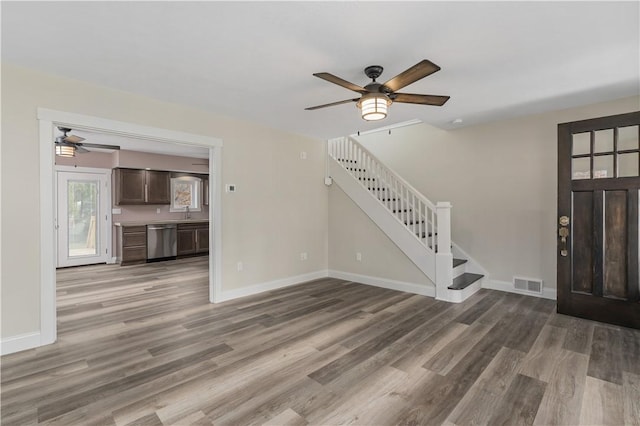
151 212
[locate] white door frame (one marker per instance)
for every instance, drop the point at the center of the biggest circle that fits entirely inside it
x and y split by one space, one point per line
104 226
48 120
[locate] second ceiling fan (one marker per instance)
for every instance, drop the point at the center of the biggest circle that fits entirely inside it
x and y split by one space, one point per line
376 97
68 145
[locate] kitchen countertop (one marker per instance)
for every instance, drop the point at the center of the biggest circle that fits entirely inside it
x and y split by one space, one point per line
158 222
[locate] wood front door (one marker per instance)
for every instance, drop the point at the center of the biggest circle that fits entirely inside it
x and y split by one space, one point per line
598 185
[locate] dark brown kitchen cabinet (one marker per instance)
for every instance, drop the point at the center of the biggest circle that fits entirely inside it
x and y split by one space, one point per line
193 239
202 239
132 244
134 186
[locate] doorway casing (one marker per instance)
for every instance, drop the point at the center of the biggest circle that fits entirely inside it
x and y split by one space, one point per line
48 120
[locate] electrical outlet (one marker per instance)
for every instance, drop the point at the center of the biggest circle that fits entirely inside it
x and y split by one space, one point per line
240 266
359 257
303 155
158 210
303 255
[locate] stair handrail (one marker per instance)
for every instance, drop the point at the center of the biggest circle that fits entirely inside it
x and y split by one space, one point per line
440 212
389 170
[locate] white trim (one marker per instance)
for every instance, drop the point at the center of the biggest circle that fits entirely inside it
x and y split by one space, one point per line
48 319
271 285
87 122
50 118
215 218
421 289
112 260
547 293
389 127
21 342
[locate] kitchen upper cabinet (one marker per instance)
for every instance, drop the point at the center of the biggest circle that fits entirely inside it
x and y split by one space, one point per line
158 187
135 186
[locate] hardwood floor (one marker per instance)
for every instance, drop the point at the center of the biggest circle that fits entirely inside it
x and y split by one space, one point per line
141 345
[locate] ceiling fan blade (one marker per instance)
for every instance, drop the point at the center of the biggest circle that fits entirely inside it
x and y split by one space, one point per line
73 139
332 104
340 82
81 150
408 98
99 145
411 75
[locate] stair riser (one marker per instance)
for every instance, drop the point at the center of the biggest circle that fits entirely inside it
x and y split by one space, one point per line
459 270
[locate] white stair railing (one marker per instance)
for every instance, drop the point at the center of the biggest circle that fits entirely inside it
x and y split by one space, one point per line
428 222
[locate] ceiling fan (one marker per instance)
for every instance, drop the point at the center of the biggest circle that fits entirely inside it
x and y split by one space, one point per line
376 97
68 145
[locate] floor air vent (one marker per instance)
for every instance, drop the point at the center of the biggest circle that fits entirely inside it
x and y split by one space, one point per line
529 285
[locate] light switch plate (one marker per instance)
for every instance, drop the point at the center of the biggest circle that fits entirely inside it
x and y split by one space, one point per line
230 187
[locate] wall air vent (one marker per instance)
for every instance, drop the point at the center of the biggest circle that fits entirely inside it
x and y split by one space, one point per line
527 285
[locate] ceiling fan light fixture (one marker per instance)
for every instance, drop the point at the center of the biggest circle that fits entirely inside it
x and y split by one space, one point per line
65 150
374 106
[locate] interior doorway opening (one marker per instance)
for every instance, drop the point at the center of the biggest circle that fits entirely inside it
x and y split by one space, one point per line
49 121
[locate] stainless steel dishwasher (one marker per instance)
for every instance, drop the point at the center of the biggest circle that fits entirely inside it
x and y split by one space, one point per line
161 241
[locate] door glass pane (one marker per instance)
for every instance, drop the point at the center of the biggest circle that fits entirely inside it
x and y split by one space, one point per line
628 164
581 168
627 138
82 208
581 143
603 141
603 167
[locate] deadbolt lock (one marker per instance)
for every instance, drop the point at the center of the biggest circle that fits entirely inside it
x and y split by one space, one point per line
564 220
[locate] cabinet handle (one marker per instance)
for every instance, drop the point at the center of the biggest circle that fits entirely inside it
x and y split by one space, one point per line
146 193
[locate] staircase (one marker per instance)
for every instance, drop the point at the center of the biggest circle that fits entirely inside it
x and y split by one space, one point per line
420 228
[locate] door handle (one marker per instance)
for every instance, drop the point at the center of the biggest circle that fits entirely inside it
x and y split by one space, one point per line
563 232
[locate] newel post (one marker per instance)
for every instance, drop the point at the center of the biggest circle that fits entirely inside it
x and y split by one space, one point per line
444 258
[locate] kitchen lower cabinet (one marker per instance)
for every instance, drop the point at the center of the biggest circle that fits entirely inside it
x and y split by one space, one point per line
193 239
132 244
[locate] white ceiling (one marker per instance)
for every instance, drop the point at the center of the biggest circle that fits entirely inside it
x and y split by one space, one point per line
254 60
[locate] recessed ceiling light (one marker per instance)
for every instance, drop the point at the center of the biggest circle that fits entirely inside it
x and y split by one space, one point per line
457 121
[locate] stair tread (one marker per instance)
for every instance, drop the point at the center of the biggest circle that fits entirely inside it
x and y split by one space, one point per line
458 262
464 281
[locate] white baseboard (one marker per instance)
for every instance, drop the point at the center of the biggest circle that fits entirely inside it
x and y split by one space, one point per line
21 342
270 285
547 293
112 260
421 289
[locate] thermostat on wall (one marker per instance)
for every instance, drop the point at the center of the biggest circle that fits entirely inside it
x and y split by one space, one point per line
230 187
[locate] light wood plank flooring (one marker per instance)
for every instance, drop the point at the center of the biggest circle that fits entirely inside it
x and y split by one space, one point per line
141 345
